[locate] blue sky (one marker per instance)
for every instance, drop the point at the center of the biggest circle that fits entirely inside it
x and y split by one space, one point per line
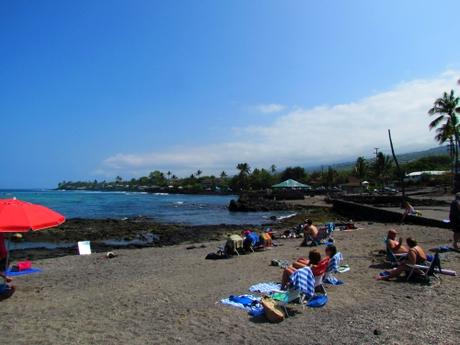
92 89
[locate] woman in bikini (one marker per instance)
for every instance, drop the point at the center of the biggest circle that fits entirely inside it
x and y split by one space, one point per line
314 261
415 256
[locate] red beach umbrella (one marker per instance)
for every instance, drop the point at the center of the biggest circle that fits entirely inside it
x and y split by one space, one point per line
21 216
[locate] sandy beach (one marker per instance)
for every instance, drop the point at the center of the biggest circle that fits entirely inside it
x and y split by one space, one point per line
169 295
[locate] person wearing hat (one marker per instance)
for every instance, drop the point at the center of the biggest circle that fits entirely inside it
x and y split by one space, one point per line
396 246
454 217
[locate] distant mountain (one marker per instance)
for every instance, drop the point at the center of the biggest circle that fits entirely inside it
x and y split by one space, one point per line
436 151
402 158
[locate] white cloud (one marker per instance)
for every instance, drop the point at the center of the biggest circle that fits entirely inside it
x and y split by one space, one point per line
312 136
269 108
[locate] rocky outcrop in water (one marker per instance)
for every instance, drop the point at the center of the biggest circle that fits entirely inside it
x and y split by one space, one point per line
248 204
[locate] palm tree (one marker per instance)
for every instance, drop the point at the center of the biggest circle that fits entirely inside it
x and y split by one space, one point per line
273 168
446 122
361 168
223 175
198 173
382 167
244 169
169 174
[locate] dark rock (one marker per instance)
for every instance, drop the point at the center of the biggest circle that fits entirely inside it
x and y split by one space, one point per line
246 203
377 332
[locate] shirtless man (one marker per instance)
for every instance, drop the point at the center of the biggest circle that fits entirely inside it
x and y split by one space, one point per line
310 233
396 246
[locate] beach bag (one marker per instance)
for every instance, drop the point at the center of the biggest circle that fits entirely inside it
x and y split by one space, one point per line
272 312
24 265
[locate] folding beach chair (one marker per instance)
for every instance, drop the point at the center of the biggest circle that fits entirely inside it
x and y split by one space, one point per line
394 259
233 245
425 271
335 266
324 233
302 287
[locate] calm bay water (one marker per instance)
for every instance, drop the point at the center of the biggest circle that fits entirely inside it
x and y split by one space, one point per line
170 208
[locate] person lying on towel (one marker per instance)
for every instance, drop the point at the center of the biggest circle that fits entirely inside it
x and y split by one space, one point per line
415 256
317 266
396 246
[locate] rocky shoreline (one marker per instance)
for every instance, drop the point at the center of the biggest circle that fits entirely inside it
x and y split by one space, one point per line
110 234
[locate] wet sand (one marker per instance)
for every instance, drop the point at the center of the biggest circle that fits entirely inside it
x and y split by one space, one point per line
168 295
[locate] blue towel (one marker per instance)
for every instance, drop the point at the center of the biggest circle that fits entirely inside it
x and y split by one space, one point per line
331 280
11 273
254 308
317 301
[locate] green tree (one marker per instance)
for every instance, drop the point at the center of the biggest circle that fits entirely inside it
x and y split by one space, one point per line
245 170
273 168
329 179
295 173
446 123
260 179
382 168
361 168
157 178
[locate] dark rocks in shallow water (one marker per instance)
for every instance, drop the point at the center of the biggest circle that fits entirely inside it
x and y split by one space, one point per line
248 204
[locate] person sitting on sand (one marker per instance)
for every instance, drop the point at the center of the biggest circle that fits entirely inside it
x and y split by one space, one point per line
314 261
330 251
409 210
266 237
310 233
395 246
251 240
415 256
6 289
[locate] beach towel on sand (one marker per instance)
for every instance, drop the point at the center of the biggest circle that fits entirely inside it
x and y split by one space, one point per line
11 273
265 288
249 303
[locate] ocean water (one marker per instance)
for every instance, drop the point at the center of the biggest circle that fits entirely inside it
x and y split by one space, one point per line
167 208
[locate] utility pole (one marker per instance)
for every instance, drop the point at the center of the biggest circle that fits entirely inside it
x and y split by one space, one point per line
376 151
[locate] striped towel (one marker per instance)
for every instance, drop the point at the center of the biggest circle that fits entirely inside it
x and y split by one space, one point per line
265 288
304 281
334 263
333 267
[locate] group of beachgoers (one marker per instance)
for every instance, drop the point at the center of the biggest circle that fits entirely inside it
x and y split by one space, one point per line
410 254
454 217
317 264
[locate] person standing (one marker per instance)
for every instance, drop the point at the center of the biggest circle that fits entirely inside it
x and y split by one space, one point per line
3 254
454 217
